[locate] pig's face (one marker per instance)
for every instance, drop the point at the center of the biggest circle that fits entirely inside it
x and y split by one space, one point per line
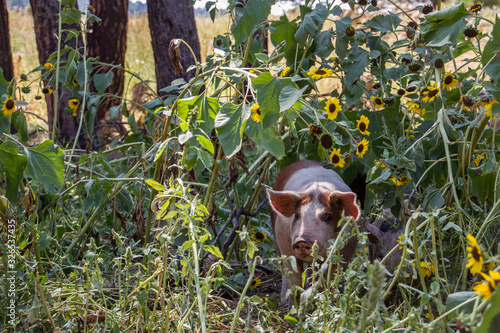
313 217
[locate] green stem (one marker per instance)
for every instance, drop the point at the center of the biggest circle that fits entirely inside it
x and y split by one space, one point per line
56 85
242 297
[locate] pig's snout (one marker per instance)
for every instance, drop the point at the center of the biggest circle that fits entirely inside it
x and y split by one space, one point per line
302 247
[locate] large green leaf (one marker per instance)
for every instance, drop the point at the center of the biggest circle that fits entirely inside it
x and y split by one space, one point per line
289 95
342 40
490 50
229 124
46 164
268 138
323 46
269 102
102 81
283 30
3 84
19 122
483 186
13 165
359 60
312 23
254 12
446 34
444 26
183 107
384 23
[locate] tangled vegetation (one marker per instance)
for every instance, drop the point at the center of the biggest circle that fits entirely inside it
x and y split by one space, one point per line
168 229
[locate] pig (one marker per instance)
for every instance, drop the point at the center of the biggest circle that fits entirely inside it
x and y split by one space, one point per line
382 238
307 202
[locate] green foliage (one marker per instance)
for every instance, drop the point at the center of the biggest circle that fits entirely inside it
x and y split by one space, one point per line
163 228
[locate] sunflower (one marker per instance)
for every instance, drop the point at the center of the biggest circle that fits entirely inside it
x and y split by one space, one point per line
258 237
332 108
477 160
336 158
48 90
73 104
487 108
430 93
362 148
485 290
399 241
401 180
9 106
476 8
363 123
427 268
377 102
468 103
49 66
449 81
256 112
255 283
75 82
381 164
285 71
316 73
475 256
314 129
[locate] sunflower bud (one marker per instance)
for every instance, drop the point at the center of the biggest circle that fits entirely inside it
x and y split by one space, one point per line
374 3
38 97
218 42
467 101
470 31
439 63
326 141
362 2
406 61
376 85
401 92
415 67
389 101
350 31
175 55
428 8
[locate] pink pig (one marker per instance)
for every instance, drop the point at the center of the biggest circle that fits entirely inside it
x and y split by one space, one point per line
307 202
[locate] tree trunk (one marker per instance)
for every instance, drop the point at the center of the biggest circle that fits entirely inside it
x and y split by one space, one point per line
108 42
171 19
5 52
46 29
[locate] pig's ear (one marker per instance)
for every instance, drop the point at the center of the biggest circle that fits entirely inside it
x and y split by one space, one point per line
374 233
345 201
284 202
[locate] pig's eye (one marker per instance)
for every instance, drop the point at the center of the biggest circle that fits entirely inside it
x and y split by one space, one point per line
327 218
296 217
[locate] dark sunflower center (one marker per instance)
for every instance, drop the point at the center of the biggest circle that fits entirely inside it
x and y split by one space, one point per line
476 254
361 147
320 72
10 104
362 127
378 101
257 111
335 159
475 8
432 93
332 108
448 79
259 235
